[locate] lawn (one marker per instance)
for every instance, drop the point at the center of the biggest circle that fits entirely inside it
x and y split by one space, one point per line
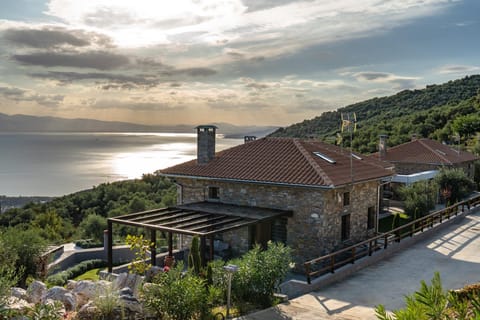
89 275
386 224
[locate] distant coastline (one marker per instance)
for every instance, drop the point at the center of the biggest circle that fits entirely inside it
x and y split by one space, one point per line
7 203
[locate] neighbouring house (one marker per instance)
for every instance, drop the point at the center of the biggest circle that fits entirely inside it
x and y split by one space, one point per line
421 159
422 155
313 196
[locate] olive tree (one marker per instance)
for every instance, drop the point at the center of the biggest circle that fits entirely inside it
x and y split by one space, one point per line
454 184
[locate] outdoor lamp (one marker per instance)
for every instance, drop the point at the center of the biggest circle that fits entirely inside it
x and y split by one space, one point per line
230 269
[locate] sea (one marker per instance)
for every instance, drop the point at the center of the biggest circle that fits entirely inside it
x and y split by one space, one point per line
55 164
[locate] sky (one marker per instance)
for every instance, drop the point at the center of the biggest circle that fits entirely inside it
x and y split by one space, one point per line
245 62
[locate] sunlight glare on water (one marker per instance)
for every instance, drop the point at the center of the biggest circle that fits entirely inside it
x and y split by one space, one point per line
157 157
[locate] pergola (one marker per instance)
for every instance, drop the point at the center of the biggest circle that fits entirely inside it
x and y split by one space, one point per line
203 219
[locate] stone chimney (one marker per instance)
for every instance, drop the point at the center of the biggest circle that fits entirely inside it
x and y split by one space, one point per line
414 137
247 139
382 146
205 143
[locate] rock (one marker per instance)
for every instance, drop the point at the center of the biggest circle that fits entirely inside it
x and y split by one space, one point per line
71 284
86 290
87 312
120 281
36 291
132 281
131 304
125 292
64 296
18 304
152 272
19 293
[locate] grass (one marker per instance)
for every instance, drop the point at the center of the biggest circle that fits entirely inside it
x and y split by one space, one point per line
89 275
386 224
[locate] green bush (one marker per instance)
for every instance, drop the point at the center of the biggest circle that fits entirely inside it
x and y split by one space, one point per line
61 278
176 295
433 302
260 273
88 243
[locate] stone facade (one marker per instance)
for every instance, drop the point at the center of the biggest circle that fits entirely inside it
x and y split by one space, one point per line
314 229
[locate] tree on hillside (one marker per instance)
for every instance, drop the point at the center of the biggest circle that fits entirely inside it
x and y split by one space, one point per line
92 227
467 125
27 245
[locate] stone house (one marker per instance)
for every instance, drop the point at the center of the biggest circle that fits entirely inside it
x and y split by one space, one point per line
331 196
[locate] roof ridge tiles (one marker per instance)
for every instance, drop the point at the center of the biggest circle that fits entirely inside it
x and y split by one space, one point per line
312 162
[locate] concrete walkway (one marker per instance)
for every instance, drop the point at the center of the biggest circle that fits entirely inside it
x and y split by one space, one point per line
454 252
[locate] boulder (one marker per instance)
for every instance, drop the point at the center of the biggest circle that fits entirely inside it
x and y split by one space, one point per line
17 304
36 291
86 290
132 281
64 296
19 293
71 284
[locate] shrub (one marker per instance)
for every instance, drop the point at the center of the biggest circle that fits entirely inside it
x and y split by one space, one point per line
107 302
177 296
260 273
61 278
432 302
88 243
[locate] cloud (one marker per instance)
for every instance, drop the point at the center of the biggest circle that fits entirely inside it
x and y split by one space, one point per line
109 81
19 95
452 69
43 38
275 26
133 105
399 82
100 60
46 37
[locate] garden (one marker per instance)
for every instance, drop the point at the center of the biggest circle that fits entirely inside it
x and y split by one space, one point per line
184 291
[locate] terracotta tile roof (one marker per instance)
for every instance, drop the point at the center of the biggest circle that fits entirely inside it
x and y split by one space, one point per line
284 161
427 151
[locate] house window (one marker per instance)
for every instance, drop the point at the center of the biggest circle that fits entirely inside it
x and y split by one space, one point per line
346 199
213 193
371 218
345 227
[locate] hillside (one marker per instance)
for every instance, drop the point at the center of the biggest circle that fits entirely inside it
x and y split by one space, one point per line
28 123
435 112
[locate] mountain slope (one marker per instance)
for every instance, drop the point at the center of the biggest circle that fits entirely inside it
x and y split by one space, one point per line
27 123
428 112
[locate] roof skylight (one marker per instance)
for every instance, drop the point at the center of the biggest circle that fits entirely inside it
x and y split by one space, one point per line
356 156
324 157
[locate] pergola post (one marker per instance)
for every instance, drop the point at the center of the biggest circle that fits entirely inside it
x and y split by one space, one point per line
203 246
153 247
211 248
110 246
170 244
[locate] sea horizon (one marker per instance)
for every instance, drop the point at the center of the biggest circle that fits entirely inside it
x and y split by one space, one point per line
53 164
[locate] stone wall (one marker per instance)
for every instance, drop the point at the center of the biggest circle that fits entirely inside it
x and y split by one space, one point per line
315 226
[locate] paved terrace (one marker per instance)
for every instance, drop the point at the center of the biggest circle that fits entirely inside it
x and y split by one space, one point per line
454 252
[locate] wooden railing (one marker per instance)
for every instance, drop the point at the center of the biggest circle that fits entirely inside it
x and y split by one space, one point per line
330 262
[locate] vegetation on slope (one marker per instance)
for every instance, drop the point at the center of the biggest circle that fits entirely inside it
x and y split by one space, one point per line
438 111
26 232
